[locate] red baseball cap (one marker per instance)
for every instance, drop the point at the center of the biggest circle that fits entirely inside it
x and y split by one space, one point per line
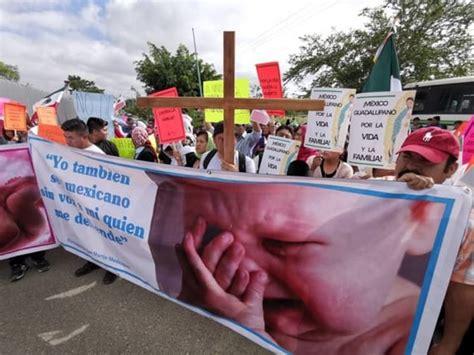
432 143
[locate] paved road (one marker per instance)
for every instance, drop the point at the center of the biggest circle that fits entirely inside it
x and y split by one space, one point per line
118 318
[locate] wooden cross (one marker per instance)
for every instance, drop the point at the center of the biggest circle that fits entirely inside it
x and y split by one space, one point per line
229 103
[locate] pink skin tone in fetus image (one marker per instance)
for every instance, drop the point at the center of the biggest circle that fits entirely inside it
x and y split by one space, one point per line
313 269
23 220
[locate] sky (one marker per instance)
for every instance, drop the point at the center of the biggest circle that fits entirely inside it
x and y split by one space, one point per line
101 40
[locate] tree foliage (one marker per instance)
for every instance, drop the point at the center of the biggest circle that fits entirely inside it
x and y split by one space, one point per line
76 83
9 72
161 70
432 40
132 108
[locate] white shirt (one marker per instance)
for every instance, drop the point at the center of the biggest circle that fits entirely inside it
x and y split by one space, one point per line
343 171
216 162
95 149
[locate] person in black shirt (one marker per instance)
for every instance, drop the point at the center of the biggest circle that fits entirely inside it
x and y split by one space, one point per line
98 135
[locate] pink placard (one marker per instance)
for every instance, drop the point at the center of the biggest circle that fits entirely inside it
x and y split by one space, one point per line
468 145
260 116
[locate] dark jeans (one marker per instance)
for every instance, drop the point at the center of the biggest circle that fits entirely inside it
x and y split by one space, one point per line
21 259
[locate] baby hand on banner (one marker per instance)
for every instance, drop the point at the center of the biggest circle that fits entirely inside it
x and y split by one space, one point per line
21 218
213 278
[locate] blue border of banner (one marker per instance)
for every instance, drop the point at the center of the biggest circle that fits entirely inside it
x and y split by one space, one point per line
448 202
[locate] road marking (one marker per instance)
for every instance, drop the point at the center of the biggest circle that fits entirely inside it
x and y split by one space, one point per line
49 336
73 292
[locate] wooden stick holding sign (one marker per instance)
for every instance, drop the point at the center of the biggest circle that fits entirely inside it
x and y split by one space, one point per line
229 103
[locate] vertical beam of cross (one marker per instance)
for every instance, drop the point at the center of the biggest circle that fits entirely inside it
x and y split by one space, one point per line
229 80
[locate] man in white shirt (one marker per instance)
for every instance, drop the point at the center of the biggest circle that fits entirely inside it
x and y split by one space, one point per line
214 159
76 134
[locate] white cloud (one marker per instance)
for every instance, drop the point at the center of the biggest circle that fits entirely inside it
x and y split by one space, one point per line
50 42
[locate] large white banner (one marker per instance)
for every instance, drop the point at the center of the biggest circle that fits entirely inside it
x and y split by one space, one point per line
96 209
296 265
379 125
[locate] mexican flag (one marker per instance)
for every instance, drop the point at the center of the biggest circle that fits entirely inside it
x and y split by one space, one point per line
385 75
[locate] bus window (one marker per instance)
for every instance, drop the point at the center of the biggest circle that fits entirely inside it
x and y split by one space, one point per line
420 100
440 99
467 104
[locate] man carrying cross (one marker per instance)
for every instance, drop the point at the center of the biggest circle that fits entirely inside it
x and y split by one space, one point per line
214 159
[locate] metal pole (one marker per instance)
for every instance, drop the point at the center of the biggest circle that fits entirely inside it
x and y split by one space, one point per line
197 65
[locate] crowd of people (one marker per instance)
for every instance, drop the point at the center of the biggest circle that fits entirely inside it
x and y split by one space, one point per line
421 163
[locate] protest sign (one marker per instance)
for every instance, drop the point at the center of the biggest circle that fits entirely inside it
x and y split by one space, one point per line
260 116
169 120
379 125
144 222
24 226
47 115
270 82
14 116
125 147
279 153
88 104
215 88
3 100
327 130
468 142
51 132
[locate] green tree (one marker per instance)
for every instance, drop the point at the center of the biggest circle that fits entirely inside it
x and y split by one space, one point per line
76 83
432 39
142 113
160 70
9 72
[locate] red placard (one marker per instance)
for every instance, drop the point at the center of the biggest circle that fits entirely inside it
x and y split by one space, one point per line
52 133
169 120
270 82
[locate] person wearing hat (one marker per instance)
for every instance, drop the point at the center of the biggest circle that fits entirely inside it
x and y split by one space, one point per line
429 156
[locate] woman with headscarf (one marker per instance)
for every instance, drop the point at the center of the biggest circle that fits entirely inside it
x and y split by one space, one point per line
143 148
204 143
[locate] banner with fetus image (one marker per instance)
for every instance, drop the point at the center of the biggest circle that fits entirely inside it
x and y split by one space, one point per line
296 265
24 226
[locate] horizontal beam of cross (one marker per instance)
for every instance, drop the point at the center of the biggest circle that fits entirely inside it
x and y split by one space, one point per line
220 103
